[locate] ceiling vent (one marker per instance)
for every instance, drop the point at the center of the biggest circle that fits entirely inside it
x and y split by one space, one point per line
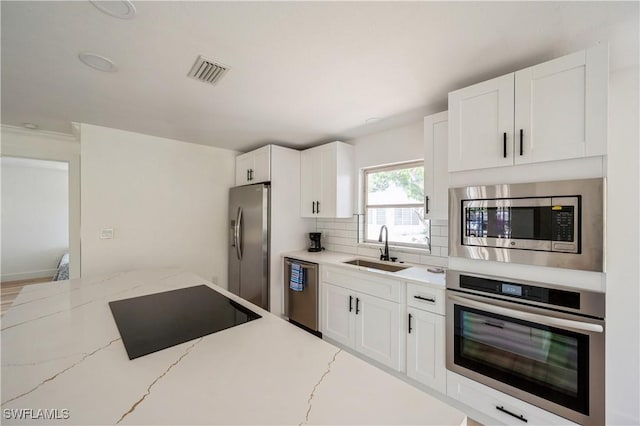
207 71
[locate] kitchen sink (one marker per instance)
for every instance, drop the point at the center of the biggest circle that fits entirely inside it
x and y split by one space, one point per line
376 265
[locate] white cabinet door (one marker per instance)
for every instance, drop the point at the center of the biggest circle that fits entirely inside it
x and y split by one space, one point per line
326 178
261 165
378 329
436 179
481 125
338 322
244 163
560 108
426 349
309 183
254 166
326 172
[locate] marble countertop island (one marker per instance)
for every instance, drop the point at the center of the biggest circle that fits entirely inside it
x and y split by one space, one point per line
63 362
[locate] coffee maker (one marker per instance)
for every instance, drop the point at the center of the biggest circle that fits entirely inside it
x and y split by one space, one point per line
314 241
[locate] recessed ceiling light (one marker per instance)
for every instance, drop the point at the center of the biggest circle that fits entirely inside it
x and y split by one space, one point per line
97 62
122 9
30 126
372 120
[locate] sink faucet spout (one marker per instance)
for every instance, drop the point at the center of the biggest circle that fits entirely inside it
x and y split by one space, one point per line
384 255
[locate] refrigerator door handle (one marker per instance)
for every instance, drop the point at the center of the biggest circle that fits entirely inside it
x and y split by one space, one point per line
238 233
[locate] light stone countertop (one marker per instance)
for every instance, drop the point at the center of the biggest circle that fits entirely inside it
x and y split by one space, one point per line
418 274
61 350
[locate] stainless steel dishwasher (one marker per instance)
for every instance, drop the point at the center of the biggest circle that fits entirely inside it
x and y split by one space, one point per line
301 307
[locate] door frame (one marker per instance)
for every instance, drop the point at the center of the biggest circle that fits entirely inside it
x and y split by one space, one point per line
52 146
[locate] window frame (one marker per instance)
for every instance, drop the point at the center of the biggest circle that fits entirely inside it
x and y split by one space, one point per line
366 206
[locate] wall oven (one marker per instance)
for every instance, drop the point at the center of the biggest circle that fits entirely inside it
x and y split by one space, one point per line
558 224
541 343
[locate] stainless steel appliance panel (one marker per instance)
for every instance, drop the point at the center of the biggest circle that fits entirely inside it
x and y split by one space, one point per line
302 306
249 243
531 350
585 196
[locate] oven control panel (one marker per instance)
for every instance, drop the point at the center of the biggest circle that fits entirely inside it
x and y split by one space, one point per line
564 298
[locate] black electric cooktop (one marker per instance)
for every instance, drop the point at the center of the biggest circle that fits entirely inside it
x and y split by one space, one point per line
158 321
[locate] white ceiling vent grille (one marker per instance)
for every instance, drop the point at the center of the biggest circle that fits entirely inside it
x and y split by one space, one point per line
207 71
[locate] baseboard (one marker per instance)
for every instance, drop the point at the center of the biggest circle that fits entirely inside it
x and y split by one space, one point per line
18 276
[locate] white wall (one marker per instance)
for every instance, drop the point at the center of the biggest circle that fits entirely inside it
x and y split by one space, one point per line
166 200
622 246
396 145
35 217
19 142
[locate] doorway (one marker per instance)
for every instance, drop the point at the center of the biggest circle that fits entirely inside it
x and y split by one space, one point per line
35 224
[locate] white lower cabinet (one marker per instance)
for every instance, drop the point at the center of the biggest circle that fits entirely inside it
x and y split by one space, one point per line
497 405
338 320
368 324
426 349
378 329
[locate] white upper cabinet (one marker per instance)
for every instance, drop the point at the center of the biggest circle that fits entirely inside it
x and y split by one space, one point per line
436 179
481 125
327 181
254 166
561 108
553 111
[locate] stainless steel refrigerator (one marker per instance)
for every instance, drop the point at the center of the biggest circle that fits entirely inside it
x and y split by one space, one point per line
249 243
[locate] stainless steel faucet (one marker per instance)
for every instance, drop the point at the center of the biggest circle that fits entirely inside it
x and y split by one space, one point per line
384 255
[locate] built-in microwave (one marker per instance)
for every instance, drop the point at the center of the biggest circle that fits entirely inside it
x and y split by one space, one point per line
557 224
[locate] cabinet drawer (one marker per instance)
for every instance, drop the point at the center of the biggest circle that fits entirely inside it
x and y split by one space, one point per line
488 401
425 298
365 283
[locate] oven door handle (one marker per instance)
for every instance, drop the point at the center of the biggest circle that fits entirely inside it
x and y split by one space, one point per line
527 316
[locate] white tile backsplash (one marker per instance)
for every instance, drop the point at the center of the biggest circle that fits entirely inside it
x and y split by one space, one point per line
341 235
439 241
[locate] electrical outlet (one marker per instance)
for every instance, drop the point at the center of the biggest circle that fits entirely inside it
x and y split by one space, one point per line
106 234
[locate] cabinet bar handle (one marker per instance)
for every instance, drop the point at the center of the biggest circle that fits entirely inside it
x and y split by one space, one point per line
521 142
251 174
357 305
317 206
248 179
504 144
313 207
350 303
519 417
410 316
426 204
427 299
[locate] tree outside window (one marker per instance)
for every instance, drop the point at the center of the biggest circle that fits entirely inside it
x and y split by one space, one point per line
394 197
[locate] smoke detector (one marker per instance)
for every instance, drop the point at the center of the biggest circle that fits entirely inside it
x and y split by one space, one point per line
207 71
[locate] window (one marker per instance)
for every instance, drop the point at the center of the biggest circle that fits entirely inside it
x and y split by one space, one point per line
394 196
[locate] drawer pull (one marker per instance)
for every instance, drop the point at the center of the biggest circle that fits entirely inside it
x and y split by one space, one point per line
426 299
519 417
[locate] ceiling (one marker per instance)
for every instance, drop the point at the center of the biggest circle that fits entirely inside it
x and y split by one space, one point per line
301 73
